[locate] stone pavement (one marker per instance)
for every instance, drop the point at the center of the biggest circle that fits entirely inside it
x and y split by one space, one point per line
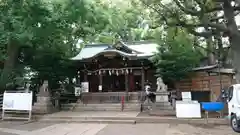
39 128
122 117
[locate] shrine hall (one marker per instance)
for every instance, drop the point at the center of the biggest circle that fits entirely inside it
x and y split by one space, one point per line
121 67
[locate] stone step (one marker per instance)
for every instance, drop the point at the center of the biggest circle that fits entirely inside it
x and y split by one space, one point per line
133 120
101 107
89 121
162 103
164 108
93 105
155 112
104 108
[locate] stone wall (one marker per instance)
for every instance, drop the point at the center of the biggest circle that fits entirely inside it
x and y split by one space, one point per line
204 81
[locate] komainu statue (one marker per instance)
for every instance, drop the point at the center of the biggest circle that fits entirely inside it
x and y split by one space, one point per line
161 87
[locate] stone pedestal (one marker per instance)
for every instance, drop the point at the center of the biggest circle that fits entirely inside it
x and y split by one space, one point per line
162 96
162 106
44 104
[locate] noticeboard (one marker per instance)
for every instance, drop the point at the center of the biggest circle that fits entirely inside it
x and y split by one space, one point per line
17 101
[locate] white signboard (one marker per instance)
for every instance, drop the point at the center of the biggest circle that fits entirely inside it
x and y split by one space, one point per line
188 109
17 101
77 91
186 96
85 86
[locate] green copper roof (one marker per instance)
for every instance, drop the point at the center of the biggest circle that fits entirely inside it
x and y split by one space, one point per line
140 50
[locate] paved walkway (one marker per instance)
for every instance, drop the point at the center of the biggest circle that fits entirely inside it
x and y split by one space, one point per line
115 129
167 128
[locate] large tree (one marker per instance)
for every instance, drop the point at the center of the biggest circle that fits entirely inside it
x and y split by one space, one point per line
203 18
43 34
176 56
127 21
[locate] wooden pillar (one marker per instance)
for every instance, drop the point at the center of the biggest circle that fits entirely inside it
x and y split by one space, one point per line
142 78
126 86
131 82
85 77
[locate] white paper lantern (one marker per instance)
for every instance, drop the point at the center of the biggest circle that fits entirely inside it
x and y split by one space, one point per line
117 73
127 71
109 72
99 72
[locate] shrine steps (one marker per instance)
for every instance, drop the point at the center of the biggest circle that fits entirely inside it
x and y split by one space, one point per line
101 107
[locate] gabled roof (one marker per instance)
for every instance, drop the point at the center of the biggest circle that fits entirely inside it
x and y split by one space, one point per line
90 51
139 50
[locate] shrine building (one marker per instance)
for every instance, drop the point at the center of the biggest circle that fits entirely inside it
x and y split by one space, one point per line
122 67
111 71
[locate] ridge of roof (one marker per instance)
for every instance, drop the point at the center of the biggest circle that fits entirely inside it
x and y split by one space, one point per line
138 42
96 45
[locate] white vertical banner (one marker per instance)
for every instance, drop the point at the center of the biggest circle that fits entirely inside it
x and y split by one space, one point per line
99 87
77 91
85 86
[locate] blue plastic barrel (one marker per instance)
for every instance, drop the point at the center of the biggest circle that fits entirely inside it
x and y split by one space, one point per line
212 106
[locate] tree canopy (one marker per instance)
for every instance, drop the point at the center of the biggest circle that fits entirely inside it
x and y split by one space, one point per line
204 18
41 35
176 56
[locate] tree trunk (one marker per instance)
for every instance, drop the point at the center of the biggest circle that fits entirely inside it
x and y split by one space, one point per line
235 48
234 36
211 57
9 65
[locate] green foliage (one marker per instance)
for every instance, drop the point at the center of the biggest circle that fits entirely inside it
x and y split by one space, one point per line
176 56
44 35
127 22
